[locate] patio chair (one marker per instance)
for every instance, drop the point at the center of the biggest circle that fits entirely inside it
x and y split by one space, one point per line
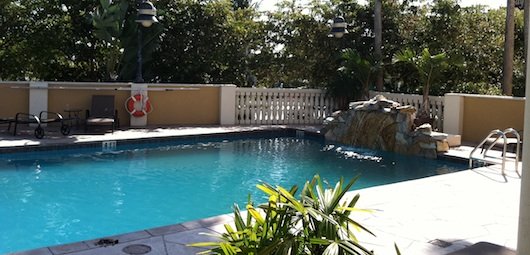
102 112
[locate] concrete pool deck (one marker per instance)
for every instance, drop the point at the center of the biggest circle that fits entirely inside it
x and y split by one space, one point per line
435 215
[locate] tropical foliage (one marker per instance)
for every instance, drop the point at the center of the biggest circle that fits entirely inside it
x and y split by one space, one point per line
361 69
427 68
223 41
319 222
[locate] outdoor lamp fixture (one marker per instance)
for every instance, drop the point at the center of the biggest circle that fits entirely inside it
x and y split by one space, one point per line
146 17
338 27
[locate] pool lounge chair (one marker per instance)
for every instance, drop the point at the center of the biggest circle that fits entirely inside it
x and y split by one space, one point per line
52 117
44 117
102 112
7 121
27 118
511 141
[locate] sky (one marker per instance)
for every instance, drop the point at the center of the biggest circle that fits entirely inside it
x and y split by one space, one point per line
269 4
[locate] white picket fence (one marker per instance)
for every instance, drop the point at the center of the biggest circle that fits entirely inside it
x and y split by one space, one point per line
436 104
257 106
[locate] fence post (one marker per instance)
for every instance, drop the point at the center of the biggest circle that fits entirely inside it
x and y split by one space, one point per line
453 113
227 105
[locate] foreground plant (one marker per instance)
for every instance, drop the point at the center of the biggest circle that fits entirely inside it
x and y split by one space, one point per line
317 223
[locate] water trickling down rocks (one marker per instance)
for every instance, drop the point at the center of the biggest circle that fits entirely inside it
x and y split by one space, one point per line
383 124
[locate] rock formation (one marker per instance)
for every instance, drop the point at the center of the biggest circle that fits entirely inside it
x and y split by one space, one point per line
383 124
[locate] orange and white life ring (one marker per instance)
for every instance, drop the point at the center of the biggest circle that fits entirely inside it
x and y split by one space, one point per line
138 105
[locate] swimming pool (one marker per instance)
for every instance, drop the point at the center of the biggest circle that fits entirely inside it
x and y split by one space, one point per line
54 197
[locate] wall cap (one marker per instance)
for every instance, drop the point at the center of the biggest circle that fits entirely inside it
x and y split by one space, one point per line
486 96
74 84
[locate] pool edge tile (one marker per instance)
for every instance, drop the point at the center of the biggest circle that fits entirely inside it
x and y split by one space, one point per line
69 248
164 230
38 251
208 222
50 145
121 238
189 237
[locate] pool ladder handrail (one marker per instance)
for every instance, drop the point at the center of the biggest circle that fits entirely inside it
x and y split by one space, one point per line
500 134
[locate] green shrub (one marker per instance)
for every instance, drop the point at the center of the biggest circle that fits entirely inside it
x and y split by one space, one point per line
317 223
481 88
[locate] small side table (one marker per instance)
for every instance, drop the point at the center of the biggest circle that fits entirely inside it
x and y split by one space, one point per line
73 114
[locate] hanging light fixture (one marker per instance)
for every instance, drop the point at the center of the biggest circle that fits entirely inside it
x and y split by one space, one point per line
338 27
146 14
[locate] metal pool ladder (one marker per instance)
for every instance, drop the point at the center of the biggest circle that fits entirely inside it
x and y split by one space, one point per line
494 137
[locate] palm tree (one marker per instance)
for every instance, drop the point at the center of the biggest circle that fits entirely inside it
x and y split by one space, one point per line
429 69
361 69
378 43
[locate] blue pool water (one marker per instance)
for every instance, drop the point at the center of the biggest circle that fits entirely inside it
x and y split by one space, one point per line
49 198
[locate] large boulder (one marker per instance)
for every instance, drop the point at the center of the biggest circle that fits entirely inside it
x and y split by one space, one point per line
383 124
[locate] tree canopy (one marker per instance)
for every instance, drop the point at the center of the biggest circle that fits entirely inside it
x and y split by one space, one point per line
231 41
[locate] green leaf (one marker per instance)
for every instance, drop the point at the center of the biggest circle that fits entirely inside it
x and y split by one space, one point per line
332 249
397 249
105 3
203 244
255 214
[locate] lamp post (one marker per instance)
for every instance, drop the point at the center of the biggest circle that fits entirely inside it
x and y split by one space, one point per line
338 29
146 17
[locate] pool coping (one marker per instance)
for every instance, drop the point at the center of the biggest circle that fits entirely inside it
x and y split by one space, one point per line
205 224
67 143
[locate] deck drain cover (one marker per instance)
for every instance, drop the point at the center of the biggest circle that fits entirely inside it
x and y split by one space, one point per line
137 249
440 243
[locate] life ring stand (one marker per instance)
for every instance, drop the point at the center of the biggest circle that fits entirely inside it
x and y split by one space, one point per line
138 105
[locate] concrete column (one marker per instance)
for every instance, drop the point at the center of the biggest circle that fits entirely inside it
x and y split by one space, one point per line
227 105
139 88
38 97
453 113
523 246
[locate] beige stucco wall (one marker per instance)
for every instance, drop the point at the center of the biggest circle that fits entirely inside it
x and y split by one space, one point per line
189 106
173 104
485 113
13 100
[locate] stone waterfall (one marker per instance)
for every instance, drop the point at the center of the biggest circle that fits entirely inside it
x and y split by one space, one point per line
383 124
